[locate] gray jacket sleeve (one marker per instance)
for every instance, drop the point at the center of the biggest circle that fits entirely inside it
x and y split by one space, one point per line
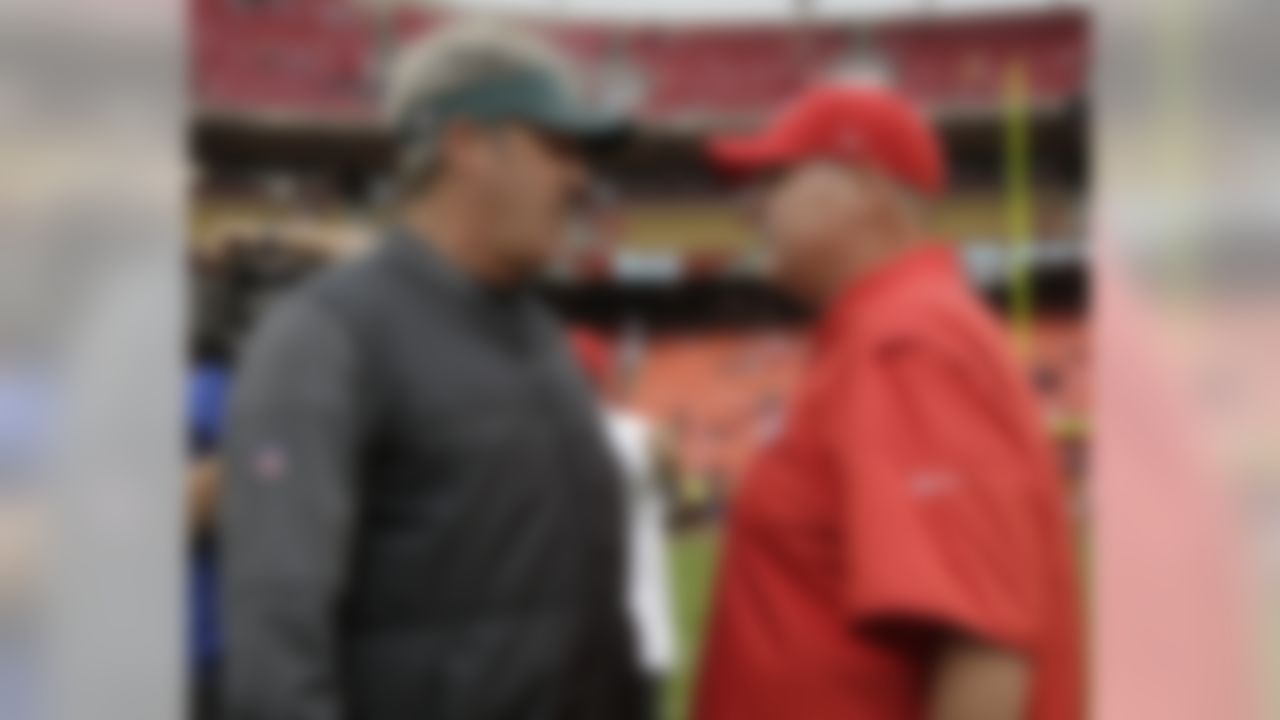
288 509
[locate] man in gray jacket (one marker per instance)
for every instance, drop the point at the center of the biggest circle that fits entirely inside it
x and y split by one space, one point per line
421 519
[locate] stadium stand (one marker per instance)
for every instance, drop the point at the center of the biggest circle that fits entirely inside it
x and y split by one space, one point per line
322 57
721 395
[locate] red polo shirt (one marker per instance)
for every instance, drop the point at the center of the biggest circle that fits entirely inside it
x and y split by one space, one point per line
912 487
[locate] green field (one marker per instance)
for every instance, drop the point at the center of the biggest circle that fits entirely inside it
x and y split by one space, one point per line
693 559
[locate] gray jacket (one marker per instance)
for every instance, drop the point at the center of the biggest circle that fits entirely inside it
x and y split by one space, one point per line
421 519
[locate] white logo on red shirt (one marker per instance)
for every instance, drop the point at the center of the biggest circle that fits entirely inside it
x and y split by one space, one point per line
932 483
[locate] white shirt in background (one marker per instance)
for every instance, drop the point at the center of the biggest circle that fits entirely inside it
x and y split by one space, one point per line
648 585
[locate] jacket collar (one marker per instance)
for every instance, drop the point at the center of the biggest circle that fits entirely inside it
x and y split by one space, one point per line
931 260
429 268
504 313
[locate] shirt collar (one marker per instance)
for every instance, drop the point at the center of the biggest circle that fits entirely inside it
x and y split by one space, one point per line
930 260
431 269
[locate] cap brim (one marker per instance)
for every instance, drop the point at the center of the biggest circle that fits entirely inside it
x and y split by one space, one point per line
750 155
592 132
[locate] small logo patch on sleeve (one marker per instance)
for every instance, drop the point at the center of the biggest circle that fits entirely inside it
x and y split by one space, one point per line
932 483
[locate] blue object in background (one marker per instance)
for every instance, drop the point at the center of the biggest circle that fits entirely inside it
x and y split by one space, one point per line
207 405
208 390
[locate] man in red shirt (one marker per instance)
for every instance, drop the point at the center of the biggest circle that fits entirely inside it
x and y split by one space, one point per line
901 550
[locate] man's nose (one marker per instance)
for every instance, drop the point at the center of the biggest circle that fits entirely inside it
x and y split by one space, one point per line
579 175
577 184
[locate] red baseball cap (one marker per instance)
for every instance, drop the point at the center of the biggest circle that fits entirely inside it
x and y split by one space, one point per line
859 124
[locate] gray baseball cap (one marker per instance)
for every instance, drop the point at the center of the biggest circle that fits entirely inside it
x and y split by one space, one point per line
495 74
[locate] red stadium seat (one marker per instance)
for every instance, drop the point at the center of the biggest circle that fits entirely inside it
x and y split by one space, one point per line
311 55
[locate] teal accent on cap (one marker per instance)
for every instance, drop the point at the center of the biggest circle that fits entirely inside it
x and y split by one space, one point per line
537 98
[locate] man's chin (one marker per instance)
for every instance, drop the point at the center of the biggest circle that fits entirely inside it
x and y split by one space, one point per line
795 289
782 281
530 268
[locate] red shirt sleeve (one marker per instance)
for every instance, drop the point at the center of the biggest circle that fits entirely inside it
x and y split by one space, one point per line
939 523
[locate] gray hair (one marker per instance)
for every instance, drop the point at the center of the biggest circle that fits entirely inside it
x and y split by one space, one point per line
456 57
